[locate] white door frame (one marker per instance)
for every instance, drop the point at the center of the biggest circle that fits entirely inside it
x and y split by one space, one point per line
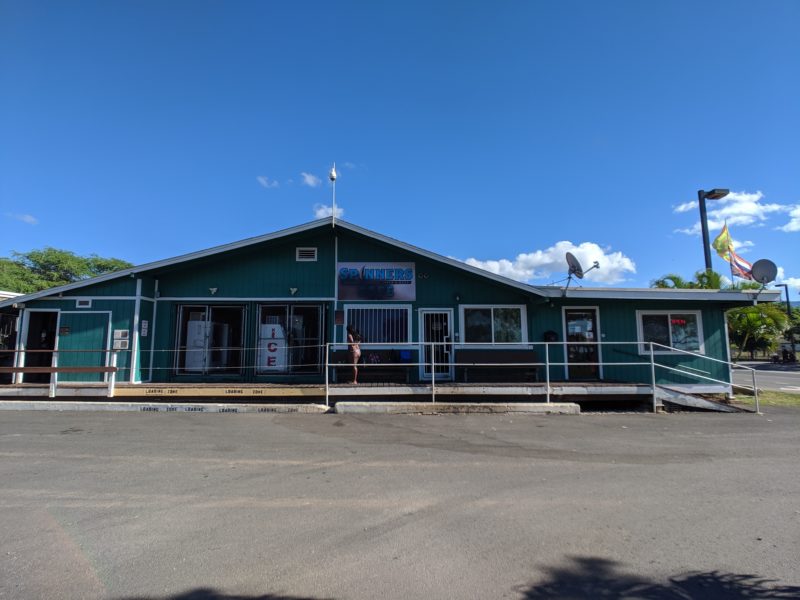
596 310
23 338
421 324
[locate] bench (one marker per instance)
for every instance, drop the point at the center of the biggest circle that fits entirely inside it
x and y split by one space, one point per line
373 368
488 365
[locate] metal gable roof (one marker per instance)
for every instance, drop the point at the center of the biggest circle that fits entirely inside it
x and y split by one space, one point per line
545 291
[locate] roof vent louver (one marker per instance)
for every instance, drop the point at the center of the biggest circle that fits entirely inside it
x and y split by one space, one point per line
306 254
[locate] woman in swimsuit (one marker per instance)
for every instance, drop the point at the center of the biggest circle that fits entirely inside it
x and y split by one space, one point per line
353 340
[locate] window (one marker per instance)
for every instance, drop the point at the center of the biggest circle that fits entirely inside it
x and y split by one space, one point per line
494 324
83 303
210 339
678 330
381 325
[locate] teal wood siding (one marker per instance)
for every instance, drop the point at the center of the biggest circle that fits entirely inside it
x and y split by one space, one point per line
123 286
79 332
437 284
266 270
121 318
265 273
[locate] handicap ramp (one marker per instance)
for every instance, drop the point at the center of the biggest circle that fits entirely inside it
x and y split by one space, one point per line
678 398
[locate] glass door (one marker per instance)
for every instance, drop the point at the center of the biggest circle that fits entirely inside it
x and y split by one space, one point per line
583 354
210 339
436 338
289 338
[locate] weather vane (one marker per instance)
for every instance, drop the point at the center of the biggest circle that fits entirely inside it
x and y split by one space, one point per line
332 177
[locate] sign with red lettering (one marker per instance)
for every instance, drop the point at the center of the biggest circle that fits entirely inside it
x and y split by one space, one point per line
272 350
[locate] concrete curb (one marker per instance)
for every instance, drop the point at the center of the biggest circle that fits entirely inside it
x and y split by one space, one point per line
171 407
428 408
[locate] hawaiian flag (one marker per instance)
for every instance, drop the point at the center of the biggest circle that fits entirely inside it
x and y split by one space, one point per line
739 266
723 243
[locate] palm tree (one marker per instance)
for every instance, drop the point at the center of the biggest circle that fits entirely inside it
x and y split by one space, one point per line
705 280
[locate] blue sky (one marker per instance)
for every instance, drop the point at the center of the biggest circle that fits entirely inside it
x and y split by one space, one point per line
502 132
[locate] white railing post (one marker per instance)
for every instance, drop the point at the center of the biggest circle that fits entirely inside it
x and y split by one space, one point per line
327 367
112 377
54 374
653 377
547 369
755 392
433 373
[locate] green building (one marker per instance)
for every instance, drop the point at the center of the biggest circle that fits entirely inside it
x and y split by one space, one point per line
274 308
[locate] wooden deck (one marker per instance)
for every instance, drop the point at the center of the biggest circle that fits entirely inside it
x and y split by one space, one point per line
317 392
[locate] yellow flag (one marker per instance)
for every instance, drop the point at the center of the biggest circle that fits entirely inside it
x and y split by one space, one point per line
722 243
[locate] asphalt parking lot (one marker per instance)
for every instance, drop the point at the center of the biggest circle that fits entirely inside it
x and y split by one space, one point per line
211 506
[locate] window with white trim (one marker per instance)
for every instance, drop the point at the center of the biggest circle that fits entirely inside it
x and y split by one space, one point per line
494 324
681 330
380 324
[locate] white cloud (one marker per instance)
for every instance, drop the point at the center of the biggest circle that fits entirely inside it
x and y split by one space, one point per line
323 210
310 180
29 219
742 247
794 219
737 208
266 183
543 264
793 283
350 165
686 206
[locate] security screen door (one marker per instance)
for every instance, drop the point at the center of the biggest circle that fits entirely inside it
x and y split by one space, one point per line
581 325
436 329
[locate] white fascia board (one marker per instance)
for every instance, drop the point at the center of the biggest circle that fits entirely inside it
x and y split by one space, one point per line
273 236
166 262
745 296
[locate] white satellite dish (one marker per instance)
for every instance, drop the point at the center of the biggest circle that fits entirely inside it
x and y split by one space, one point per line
764 271
576 269
574 264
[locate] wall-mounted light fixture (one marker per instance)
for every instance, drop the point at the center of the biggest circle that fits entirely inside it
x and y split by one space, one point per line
292 291
212 291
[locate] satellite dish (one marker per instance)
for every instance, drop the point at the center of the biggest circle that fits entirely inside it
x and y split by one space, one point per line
764 271
575 267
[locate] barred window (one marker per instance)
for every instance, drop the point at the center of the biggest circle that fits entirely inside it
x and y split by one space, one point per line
380 325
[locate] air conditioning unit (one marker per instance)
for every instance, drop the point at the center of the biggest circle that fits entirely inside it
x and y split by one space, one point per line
121 344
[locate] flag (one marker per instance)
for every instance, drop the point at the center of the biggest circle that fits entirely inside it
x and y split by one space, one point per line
722 243
739 266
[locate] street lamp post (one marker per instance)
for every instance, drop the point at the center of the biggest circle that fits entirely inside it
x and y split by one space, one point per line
702 196
785 286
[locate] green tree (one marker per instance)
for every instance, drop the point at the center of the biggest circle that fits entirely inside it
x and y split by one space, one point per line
757 327
36 270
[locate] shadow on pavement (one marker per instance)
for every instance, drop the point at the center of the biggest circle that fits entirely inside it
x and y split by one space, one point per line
591 577
211 594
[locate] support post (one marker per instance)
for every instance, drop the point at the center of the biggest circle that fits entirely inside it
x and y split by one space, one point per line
327 375
755 392
547 369
433 374
112 377
53 375
653 377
